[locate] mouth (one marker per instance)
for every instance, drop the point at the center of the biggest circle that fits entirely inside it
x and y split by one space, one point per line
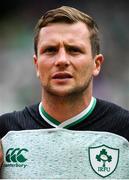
62 75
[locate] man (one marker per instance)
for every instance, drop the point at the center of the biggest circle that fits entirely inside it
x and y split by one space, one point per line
67 58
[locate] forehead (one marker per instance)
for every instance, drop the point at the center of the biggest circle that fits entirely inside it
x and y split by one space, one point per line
76 32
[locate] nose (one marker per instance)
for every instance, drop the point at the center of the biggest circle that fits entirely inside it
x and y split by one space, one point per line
62 59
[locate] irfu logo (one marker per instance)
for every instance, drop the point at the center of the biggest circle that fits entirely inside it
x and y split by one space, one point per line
15 157
103 159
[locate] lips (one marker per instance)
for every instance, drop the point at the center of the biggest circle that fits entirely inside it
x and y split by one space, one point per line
61 75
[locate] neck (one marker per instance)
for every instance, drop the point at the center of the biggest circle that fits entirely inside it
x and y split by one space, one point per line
63 108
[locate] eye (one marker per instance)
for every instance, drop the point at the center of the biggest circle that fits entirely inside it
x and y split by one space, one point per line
50 50
74 50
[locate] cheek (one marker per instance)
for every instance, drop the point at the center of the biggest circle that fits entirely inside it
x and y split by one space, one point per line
85 72
85 68
43 65
42 69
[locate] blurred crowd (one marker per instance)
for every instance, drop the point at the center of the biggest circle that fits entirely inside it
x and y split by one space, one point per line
18 83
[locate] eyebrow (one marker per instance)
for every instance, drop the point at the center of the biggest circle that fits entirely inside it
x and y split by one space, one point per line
66 45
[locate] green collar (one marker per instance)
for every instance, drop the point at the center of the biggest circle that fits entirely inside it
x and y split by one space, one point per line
69 122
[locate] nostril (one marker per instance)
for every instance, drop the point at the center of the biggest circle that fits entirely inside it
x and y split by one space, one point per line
62 62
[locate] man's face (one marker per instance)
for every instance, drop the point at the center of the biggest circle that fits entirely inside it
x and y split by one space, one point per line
64 61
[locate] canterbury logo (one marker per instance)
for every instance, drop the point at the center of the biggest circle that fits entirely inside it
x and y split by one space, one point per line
16 155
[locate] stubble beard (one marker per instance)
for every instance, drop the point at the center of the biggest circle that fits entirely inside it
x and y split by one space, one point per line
71 94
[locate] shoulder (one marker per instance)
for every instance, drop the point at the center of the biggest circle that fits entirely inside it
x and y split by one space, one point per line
112 108
113 115
15 115
17 120
112 118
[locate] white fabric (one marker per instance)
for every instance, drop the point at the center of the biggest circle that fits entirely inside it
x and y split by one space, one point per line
64 154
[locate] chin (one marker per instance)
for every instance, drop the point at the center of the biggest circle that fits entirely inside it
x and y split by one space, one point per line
62 92
66 91
69 92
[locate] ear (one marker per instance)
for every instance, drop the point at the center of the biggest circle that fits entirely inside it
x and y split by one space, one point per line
98 60
36 64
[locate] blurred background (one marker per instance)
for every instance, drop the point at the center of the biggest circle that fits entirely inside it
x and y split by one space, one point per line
19 85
